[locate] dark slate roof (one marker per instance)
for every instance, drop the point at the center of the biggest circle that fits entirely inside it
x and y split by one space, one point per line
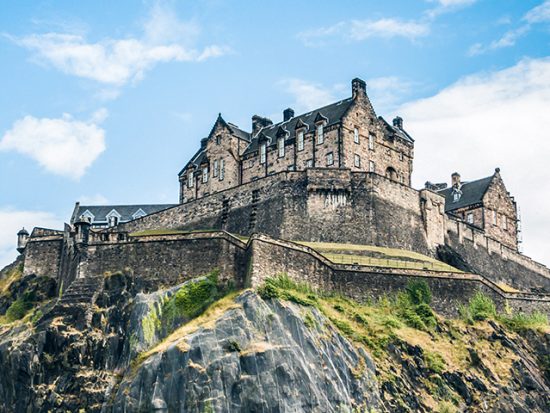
100 212
392 130
472 193
239 133
333 113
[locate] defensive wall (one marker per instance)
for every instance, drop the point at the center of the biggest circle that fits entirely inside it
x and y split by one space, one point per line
168 259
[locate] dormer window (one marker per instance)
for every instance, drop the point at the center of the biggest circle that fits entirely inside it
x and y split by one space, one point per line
457 193
356 135
113 218
300 140
140 213
263 152
320 134
205 174
281 147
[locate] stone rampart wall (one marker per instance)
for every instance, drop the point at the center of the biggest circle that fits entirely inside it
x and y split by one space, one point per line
43 255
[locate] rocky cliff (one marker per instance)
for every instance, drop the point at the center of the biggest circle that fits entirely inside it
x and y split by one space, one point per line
106 344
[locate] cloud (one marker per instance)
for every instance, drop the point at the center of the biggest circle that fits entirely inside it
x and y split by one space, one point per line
488 120
387 92
539 14
11 221
96 199
445 6
309 95
63 146
117 62
358 30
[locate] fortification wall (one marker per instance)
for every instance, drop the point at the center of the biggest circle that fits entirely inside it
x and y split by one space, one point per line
494 260
43 255
450 290
168 260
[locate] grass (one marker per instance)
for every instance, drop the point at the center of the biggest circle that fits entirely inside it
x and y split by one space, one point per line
12 275
388 257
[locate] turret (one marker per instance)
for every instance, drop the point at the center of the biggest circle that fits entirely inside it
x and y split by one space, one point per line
22 239
82 230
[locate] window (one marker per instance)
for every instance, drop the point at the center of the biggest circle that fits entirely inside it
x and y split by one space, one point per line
215 171
371 141
205 174
505 223
357 161
301 140
263 149
281 147
371 166
113 221
401 156
494 217
320 134
222 169
457 193
190 180
218 140
470 218
330 159
356 135
309 163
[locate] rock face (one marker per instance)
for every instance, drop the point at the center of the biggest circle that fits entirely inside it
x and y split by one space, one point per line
105 346
258 357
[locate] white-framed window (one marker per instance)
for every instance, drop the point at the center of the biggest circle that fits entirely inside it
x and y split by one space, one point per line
281 147
309 163
300 139
222 169
371 141
470 218
356 135
263 150
205 174
371 166
494 217
216 168
190 180
320 134
357 161
330 159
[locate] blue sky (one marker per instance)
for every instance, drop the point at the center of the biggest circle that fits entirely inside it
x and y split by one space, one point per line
103 102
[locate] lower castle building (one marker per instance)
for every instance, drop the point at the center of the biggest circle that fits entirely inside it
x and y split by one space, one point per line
337 174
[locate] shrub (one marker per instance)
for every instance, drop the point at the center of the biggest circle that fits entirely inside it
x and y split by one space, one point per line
522 321
434 362
18 309
446 407
480 307
419 292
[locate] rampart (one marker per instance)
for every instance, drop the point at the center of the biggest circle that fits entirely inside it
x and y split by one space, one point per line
43 252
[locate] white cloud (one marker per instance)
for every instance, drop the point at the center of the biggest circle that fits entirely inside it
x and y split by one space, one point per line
116 62
497 119
358 30
387 92
96 199
11 221
445 6
308 95
539 14
63 146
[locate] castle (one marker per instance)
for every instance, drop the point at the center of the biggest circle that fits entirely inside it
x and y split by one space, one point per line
335 175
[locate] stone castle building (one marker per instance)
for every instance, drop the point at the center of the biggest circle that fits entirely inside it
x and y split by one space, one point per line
339 174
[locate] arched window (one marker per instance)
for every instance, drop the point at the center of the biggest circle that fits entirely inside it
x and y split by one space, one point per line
391 173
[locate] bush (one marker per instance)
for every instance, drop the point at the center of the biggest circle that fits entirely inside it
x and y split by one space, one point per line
446 407
480 307
434 362
522 321
18 309
419 292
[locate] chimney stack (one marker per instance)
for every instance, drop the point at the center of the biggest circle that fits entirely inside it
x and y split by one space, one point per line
455 179
398 122
358 87
288 114
259 122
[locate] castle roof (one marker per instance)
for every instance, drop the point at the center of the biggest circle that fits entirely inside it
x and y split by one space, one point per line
472 193
333 113
100 213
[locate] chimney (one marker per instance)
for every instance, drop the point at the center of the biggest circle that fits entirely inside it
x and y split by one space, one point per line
455 179
358 87
288 114
398 122
259 122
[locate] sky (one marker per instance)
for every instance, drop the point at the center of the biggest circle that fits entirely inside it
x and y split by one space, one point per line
104 102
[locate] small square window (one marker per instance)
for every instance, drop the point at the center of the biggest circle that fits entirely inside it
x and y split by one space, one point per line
330 159
357 161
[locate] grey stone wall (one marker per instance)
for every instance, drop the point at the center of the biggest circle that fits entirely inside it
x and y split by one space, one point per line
43 255
169 260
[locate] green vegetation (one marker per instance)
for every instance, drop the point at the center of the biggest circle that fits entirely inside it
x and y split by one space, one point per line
481 307
370 255
19 308
446 407
434 361
10 277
